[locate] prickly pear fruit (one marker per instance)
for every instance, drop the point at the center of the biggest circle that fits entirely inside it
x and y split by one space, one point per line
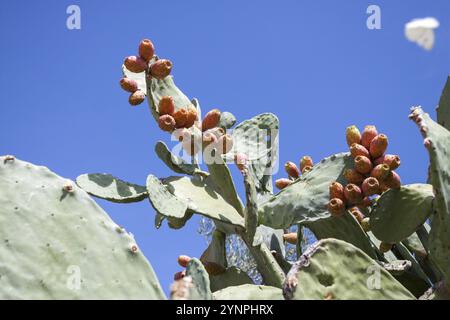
208 138
146 50
363 164
180 117
380 172
183 260
179 275
136 98
365 224
191 116
336 207
305 161
217 131
166 106
367 136
135 64
352 135
353 176
306 169
385 247
241 160
358 150
166 123
161 68
357 213
292 170
393 180
353 194
225 143
211 119
378 146
128 84
393 161
370 186
290 237
336 190
282 183
367 202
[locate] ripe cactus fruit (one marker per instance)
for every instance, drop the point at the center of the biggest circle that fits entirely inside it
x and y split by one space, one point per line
166 106
358 150
378 146
357 213
353 176
179 275
161 68
336 207
305 161
192 116
225 143
369 133
306 169
183 260
393 180
166 123
290 237
136 98
363 164
336 190
365 224
208 138
353 194
135 64
240 159
282 183
352 135
370 186
128 85
146 50
180 117
393 161
292 170
380 172
385 247
218 132
211 119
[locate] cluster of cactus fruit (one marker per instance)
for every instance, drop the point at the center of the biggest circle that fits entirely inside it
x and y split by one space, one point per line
371 223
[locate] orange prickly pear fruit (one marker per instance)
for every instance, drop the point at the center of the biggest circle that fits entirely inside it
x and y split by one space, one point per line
146 50
363 164
336 207
166 123
380 172
183 260
128 84
282 183
161 68
290 237
370 186
353 176
353 194
367 136
180 117
192 116
393 180
378 146
357 213
336 190
136 98
135 64
211 119
358 150
305 161
292 170
166 106
352 135
393 161
208 138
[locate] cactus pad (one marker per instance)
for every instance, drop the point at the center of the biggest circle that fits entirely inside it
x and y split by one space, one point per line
249 292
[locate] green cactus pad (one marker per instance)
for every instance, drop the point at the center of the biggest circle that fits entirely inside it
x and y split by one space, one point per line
216 251
108 187
174 162
58 243
200 279
257 138
336 270
271 237
443 110
399 212
249 292
227 120
231 277
306 199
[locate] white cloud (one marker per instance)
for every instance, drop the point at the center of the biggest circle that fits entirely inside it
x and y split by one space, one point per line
421 31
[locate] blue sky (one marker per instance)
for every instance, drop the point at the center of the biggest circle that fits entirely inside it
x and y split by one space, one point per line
312 63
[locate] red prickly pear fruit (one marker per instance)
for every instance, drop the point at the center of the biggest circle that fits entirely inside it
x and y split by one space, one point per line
380 172
336 207
370 186
369 133
128 85
146 50
365 224
179 275
393 181
385 247
353 176
183 260
282 183
358 150
383 187
211 119
166 123
180 117
191 116
378 146
135 64
208 138
353 194
306 169
241 161
290 237
225 143
357 213
292 170
336 190
136 98
363 164
166 106
161 68
352 135
393 161
305 161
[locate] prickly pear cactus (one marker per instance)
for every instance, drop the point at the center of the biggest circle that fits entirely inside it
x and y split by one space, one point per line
249 292
57 243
